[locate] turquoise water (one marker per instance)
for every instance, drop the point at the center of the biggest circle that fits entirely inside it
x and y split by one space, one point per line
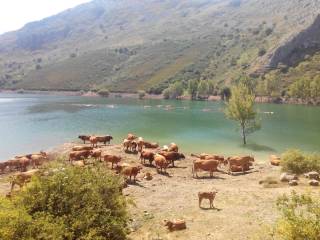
31 123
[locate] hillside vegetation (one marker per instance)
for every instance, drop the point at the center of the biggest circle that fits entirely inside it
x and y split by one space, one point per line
147 44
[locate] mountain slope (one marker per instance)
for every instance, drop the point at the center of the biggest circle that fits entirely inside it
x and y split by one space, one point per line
127 45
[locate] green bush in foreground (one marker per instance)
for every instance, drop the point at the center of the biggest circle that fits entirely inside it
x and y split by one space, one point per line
297 162
72 203
300 217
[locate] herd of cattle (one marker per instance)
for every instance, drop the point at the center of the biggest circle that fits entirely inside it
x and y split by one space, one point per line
150 154
161 158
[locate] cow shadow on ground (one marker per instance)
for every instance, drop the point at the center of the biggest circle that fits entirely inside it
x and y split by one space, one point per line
212 209
178 167
234 174
166 174
136 183
208 177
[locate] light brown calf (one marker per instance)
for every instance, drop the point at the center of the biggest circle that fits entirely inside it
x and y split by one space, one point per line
175 225
112 159
207 195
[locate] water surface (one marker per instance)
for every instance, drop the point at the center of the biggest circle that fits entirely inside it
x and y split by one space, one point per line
31 123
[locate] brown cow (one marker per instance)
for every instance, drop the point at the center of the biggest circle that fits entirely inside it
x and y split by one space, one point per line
14 164
94 141
82 148
172 156
3 166
173 148
161 163
205 156
37 159
243 162
22 178
104 139
150 145
175 225
96 154
274 160
23 163
131 137
84 138
79 155
140 144
112 159
207 195
147 155
131 171
205 165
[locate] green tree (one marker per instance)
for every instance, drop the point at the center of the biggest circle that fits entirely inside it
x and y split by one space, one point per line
70 203
104 92
203 89
225 93
240 108
211 88
193 88
141 94
174 91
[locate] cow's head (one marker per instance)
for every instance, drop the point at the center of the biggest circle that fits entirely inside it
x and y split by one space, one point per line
182 156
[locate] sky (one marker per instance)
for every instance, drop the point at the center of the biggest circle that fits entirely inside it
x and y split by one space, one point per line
14 14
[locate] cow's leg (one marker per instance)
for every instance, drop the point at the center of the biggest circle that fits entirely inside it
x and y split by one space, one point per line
200 199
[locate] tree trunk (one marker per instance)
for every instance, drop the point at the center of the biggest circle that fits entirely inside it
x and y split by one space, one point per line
244 137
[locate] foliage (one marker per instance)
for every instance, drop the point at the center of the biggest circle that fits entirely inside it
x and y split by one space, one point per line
225 93
298 162
193 88
71 203
300 217
240 108
174 91
305 88
141 94
203 89
262 52
104 92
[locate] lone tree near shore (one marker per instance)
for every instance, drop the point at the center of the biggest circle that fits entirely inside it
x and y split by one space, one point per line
240 108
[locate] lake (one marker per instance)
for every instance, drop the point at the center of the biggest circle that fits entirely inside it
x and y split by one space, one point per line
30 123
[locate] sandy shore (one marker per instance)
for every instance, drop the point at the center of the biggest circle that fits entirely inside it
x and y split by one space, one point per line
242 205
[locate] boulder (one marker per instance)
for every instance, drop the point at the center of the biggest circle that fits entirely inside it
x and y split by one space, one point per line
285 177
293 183
312 175
313 183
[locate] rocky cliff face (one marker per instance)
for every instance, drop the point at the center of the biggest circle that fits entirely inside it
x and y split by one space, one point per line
297 47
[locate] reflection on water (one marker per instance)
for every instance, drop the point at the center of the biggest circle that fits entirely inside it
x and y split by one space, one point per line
34 122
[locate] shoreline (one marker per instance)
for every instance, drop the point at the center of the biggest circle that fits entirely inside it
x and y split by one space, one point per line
259 99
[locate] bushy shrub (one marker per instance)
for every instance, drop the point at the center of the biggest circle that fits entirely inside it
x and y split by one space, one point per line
297 162
104 92
173 91
71 203
141 94
300 217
